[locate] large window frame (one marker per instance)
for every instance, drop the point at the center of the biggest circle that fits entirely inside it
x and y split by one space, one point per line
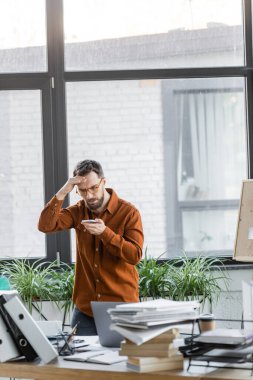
52 86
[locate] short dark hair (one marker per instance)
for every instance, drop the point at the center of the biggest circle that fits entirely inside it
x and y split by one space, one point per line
85 167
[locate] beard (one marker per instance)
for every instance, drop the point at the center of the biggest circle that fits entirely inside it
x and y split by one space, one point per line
96 205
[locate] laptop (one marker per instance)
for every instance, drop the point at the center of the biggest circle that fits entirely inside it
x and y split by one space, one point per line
107 337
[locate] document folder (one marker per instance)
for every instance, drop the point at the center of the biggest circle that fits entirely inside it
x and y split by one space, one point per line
23 346
30 329
8 349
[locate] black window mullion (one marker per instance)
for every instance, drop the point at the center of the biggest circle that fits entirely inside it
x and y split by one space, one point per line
48 158
247 13
56 71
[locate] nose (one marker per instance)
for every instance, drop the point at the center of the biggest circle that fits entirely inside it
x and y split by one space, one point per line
88 195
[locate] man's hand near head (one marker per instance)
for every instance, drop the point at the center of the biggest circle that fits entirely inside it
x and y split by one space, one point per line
69 186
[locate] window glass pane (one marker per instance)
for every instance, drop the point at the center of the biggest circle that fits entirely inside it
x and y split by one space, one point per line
21 174
130 34
136 130
209 230
211 140
22 36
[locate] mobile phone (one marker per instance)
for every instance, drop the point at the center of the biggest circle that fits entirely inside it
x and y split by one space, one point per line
89 221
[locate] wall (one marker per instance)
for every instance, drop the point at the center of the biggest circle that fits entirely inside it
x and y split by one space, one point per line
230 304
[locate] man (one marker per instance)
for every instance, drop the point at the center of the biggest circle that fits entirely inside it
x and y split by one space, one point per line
108 248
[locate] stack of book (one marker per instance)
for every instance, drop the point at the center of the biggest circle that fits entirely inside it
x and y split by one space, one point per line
157 354
150 328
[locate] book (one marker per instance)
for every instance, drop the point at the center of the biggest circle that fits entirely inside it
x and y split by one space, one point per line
155 364
139 336
84 356
111 357
139 351
150 348
154 360
166 337
226 336
99 357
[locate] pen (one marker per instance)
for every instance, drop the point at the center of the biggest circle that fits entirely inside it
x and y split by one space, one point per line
73 332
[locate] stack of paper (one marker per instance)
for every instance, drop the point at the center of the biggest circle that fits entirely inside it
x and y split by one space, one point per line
142 321
155 312
149 329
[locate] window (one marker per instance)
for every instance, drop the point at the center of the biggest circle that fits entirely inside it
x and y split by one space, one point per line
21 174
22 36
129 34
188 202
208 136
159 92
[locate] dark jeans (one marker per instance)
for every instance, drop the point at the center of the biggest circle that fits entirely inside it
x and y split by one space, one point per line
86 324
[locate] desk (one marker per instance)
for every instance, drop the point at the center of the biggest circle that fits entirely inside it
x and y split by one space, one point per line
65 370
61 369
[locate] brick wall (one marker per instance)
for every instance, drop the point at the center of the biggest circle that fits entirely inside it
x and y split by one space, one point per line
20 174
117 123
120 124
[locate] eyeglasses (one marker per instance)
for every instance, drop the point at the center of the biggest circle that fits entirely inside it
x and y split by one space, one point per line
92 190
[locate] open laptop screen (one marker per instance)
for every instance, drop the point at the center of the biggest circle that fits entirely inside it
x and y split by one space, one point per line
107 337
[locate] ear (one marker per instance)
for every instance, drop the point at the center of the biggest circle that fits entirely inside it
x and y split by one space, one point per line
104 181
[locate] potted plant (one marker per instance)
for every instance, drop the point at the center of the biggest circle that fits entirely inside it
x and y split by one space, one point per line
154 281
60 283
41 281
202 278
183 278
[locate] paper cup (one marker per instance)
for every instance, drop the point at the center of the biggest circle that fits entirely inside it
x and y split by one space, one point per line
206 322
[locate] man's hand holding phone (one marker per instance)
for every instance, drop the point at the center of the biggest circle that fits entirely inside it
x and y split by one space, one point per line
94 226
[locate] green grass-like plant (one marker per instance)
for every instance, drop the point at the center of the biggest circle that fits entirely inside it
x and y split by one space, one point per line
40 281
154 281
202 278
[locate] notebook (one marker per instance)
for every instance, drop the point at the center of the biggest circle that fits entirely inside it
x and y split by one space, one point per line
107 337
101 357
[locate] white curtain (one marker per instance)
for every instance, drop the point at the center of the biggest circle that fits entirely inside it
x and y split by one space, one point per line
209 116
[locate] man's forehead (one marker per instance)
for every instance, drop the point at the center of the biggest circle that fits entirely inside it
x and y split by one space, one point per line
90 180
90 176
